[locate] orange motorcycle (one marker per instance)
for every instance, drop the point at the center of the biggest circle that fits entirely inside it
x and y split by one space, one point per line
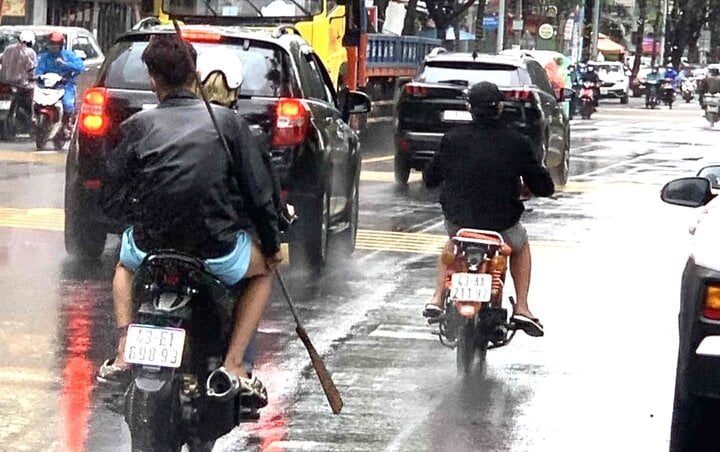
474 320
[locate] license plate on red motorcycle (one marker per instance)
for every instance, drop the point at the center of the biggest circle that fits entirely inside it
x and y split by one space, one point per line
471 287
154 346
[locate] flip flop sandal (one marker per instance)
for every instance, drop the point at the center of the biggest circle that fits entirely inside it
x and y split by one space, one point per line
111 374
530 325
432 311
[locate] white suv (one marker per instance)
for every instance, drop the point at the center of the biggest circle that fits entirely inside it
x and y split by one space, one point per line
615 80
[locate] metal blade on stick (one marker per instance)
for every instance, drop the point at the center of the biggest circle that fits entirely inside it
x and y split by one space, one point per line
331 392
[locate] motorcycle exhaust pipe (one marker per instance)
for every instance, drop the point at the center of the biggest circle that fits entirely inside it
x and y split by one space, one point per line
221 385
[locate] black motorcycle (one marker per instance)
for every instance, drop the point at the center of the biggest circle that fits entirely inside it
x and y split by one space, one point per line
178 394
19 117
651 93
475 320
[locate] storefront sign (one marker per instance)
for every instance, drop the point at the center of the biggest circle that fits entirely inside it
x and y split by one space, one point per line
13 7
546 31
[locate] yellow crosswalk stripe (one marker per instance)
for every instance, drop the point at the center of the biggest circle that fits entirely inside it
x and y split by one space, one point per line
49 219
53 158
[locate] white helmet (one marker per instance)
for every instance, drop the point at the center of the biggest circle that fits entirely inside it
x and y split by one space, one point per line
223 60
27 37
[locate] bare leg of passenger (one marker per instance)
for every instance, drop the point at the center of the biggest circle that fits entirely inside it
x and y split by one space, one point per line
122 299
440 276
520 269
248 311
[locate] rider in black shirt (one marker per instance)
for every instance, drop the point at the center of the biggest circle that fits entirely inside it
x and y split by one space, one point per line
479 167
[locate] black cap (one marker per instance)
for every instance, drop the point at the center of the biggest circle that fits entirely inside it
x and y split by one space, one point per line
484 94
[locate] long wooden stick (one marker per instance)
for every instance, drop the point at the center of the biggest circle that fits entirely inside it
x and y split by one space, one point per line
331 392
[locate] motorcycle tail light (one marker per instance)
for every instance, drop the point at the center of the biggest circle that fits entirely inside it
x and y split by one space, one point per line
291 123
93 118
711 308
468 309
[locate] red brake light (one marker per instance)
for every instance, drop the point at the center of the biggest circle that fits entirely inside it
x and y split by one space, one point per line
415 90
291 123
518 94
201 36
93 119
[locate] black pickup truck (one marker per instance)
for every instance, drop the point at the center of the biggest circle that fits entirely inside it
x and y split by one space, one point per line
435 101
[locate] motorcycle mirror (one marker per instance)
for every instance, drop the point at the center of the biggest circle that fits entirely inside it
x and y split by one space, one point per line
712 173
687 192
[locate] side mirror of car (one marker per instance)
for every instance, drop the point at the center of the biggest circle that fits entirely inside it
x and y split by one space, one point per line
711 172
687 192
354 103
80 54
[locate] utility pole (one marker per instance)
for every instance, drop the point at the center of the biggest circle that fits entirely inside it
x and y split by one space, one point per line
501 26
595 29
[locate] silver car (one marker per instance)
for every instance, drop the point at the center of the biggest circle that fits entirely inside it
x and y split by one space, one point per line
78 40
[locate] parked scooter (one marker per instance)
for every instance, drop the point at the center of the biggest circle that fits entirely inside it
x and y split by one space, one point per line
474 320
49 111
668 92
587 99
712 108
687 89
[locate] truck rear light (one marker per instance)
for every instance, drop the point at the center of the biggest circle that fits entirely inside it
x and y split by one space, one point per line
92 184
711 307
413 90
518 94
404 145
291 123
93 120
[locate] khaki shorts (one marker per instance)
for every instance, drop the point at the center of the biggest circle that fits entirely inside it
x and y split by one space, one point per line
515 236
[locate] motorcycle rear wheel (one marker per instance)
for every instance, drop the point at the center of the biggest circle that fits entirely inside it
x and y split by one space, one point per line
465 357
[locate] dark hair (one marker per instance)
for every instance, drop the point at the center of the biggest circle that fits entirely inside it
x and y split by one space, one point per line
484 98
165 59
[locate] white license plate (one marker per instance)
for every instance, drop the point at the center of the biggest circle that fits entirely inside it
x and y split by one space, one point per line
457 115
712 108
471 287
603 90
154 346
5 104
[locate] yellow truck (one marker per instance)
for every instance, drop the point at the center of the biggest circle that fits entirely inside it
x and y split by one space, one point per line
336 29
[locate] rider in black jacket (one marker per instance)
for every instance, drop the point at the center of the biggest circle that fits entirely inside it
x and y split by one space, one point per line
172 181
479 167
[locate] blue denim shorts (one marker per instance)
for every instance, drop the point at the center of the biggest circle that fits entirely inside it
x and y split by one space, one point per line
229 269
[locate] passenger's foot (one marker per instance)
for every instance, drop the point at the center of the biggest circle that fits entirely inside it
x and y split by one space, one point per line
113 374
432 311
530 325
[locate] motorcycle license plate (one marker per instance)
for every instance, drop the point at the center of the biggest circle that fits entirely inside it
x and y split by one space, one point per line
471 287
457 115
154 346
5 104
603 91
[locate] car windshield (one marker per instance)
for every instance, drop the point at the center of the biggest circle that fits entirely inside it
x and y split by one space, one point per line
464 73
262 75
243 8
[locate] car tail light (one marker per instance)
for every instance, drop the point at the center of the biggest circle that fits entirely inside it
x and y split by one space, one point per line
518 94
200 36
291 123
711 308
413 90
404 145
93 120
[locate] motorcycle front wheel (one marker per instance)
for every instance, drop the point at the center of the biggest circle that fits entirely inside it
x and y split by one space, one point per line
41 132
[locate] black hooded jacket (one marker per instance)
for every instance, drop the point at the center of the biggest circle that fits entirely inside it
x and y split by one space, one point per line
171 179
479 166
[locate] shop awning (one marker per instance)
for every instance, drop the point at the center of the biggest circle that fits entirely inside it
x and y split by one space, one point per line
608 46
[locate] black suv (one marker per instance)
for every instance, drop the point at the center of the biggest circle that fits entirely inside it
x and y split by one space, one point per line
435 101
286 96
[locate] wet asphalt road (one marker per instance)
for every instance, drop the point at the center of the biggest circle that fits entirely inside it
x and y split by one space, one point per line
607 262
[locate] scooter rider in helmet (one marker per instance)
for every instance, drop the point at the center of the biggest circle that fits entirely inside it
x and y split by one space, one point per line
591 75
60 61
478 168
18 66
